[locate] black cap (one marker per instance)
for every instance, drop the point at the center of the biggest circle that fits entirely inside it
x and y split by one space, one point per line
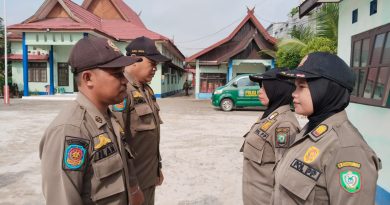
323 64
268 75
95 52
143 46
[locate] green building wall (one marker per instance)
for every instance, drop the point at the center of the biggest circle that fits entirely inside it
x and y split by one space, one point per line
62 45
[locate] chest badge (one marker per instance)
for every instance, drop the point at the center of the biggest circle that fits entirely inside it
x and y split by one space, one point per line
320 130
120 107
102 140
264 127
350 181
137 94
311 154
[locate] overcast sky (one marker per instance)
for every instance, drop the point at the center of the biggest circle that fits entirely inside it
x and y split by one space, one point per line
193 24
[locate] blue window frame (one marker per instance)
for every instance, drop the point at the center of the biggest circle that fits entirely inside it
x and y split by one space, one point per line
354 16
373 7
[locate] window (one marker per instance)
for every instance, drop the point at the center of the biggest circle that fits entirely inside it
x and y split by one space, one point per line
210 81
354 16
63 74
370 60
37 72
244 82
373 7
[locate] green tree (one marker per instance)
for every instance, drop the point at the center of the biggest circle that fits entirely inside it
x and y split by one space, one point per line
291 51
288 57
327 21
319 44
302 33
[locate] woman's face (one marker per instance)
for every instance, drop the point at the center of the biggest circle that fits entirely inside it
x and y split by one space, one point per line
263 96
302 98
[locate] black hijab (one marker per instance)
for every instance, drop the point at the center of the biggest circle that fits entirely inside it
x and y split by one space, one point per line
279 94
328 99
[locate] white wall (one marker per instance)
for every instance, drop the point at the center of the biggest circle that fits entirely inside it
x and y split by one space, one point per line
372 123
365 22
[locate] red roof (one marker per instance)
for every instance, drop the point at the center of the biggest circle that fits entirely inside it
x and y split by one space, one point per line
83 14
129 13
15 36
82 19
127 31
53 24
250 17
31 57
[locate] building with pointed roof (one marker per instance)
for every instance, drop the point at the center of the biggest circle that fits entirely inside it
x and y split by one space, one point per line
41 44
238 53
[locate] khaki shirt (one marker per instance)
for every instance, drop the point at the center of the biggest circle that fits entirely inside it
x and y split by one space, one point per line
83 158
145 131
270 137
264 145
330 165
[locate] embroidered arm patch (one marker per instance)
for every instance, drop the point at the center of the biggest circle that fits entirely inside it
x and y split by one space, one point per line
305 169
350 181
282 137
120 107
75 153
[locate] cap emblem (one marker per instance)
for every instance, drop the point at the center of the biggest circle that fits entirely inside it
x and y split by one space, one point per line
303 60
113 46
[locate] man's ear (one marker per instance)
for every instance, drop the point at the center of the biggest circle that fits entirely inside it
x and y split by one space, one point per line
88 78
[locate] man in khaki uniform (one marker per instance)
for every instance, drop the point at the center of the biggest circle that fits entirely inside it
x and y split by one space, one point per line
84 157
140 113
329 162
268 138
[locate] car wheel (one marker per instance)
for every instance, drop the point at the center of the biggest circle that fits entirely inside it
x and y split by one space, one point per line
226 104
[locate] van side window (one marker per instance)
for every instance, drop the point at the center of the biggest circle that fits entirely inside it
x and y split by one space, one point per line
244 82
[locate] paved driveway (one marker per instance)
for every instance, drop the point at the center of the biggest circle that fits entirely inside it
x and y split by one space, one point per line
200 149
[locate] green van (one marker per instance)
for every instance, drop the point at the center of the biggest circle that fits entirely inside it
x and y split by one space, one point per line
239 92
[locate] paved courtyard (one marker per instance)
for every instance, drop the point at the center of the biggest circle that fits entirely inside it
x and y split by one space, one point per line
200 149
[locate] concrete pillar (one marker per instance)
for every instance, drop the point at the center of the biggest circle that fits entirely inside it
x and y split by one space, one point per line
197 79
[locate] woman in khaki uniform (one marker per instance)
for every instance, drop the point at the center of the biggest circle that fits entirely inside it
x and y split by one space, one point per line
268 138
329 162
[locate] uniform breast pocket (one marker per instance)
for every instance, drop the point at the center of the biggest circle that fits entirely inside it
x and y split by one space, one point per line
142 118
253 148
299 180
108 178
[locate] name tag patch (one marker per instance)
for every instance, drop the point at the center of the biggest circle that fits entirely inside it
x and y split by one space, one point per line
305 169
261 134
